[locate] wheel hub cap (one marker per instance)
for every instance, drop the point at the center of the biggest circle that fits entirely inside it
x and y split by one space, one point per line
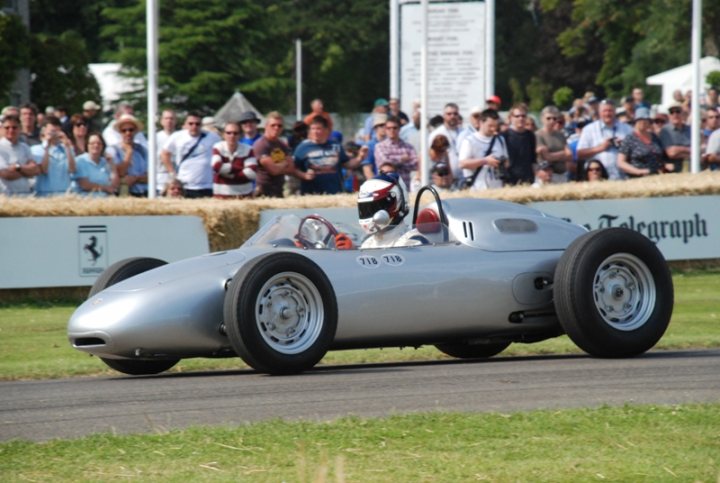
289 312
624 291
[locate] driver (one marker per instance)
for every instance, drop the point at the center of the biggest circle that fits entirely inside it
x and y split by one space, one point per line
382 207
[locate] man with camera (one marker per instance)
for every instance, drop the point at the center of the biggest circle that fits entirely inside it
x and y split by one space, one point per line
601 139
483 155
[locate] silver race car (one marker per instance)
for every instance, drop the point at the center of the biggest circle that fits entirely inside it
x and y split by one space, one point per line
485 274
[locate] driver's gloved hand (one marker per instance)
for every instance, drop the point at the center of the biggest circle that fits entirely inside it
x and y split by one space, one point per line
343 242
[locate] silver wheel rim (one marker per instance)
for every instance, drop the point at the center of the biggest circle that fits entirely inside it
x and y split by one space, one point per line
289 313
624 292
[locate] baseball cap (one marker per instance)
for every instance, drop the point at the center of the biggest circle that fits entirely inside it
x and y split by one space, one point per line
476 110
495 99
381 102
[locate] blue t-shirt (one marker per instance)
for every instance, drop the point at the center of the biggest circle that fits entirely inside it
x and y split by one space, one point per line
95 173
325 160
138 165
370 160
57 179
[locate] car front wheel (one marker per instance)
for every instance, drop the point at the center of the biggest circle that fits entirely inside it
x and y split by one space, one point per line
281 314
116 273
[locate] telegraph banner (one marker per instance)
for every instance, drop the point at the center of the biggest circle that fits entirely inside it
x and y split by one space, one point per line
683 227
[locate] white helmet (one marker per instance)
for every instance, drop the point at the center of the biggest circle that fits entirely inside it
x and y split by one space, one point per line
382 202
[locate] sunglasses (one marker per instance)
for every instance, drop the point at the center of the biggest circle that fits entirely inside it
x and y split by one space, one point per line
659 121
127 129
675 111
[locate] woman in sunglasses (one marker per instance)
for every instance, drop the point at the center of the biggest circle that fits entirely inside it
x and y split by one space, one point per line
594 171
79 134
641 153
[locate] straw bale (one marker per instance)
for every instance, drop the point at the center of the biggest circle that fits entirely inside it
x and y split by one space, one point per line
230 222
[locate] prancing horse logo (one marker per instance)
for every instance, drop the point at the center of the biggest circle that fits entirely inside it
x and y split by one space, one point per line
92 249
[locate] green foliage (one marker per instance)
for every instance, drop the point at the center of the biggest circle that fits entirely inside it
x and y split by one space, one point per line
60 71
713 78
14 50
563 97
538 92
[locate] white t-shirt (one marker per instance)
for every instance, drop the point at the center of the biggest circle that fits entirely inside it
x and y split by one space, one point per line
11 154
162 175
475 146
195 171
595 133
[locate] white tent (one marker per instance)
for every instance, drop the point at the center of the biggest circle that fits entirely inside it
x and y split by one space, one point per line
236 105
681 78
112 84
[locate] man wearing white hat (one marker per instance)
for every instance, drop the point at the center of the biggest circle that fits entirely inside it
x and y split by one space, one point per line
90 112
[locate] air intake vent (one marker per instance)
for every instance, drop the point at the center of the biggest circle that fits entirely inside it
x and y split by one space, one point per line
468 230
88 341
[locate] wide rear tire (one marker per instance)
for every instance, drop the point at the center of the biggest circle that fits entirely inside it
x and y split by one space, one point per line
281 314
613 293
115 273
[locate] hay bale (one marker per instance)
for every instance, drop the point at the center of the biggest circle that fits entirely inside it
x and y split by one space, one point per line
230 222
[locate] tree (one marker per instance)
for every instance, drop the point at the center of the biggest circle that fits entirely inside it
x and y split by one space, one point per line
207 49
14 50
637 39
60 71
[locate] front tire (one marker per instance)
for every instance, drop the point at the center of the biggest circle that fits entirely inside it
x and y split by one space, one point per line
281 314
115 273
613 293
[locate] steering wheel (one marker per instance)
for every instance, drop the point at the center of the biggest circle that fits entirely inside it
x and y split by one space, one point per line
316 232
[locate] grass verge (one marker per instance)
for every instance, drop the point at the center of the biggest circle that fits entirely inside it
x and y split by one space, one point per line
630 443
33 343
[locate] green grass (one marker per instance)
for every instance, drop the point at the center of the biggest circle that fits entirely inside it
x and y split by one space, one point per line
33 341
631 443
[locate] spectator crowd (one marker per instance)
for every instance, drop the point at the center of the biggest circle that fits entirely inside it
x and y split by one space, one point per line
55 152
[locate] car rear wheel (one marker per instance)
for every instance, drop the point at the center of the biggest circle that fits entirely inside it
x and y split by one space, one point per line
466 350
613 293
118 272
281 314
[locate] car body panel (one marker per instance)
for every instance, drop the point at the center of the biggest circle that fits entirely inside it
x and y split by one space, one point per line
497 263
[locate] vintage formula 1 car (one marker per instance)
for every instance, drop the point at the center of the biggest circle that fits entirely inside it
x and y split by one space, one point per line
488 273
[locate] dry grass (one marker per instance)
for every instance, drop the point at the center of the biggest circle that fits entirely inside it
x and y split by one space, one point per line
230 223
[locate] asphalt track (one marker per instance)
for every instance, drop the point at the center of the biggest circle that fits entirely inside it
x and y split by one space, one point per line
41 410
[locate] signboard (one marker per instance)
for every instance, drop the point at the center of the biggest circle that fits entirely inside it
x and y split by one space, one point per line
73 251
456 54
683 227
